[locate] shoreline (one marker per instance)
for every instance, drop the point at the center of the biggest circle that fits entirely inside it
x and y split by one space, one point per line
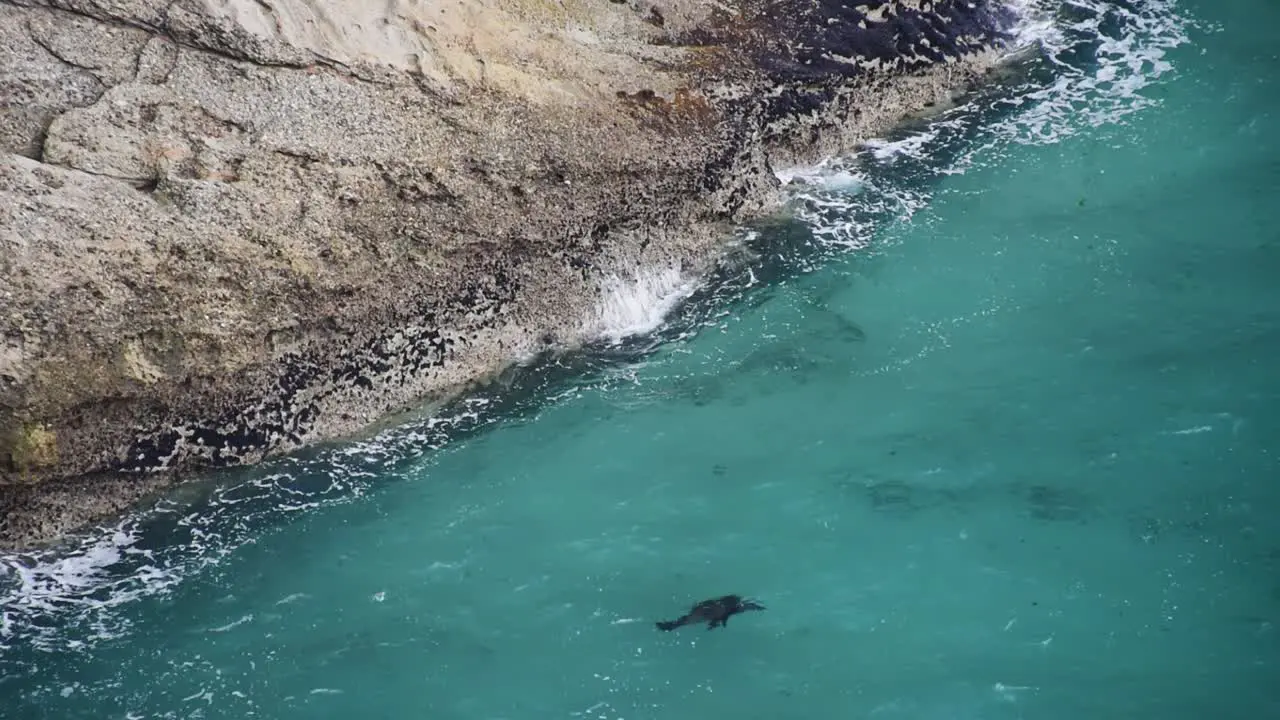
351 354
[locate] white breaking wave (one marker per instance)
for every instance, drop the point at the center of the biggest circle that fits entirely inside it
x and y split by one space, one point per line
827 174
1125 63
81 582
1035 26
841 202
637 304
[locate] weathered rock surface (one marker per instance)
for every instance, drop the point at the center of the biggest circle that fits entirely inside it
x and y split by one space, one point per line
231 228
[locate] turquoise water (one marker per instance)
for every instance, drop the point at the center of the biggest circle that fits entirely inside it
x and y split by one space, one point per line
1014 459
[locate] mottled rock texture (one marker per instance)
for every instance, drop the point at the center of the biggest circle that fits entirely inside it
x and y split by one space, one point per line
232 227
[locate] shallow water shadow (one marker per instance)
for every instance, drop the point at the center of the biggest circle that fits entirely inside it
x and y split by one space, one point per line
897 498
1050 503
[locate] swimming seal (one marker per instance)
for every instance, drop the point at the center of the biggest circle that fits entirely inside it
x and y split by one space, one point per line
715 612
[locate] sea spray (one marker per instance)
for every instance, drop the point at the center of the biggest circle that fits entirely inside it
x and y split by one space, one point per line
638 303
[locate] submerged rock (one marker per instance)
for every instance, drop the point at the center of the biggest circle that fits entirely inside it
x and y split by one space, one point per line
230 229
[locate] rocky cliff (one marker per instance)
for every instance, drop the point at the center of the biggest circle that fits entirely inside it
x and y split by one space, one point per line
232 227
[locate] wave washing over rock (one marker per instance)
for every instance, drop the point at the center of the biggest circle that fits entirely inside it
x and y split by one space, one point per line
1091 60
229 230
638 304
83 581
